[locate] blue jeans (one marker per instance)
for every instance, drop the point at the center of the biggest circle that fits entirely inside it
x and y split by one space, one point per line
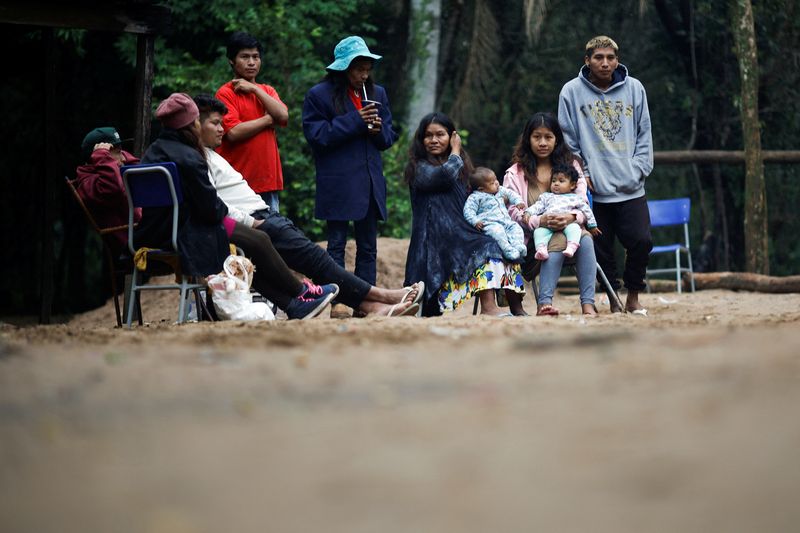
585 264
271 199
366 233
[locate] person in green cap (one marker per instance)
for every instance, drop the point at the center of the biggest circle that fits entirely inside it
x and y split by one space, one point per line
99 182
347 123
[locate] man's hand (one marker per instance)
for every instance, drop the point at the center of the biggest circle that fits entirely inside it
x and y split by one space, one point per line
240 85
103 146
479 226
369 114
375 127
595 231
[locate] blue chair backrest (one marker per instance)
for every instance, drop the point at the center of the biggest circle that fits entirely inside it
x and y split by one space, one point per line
589 198
148 185
669 212
152 185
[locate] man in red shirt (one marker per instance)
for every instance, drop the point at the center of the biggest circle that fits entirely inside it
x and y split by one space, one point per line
254 111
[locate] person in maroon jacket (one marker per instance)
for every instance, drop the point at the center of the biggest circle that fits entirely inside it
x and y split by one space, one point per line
99 182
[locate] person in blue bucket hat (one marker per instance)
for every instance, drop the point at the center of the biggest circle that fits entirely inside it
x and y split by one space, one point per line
348 123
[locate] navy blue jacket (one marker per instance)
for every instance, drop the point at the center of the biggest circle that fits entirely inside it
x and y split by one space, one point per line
202 241
443 243
347 157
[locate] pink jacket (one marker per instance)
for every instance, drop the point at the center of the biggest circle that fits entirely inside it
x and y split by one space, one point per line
514 179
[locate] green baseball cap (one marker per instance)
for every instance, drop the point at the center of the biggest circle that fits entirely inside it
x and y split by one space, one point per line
99 135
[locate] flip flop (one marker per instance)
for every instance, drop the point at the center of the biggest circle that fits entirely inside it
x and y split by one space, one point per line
420 288
547 310
412 309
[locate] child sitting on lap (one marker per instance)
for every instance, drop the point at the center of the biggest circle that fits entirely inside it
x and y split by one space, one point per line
487 210
561 199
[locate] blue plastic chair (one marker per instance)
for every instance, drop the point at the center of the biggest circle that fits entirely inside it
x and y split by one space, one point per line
157 185
672 213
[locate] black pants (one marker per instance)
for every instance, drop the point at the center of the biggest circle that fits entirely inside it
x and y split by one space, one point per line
306 257
272 277
366 233
629 221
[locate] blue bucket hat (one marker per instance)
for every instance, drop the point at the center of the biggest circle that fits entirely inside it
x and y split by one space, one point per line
347 50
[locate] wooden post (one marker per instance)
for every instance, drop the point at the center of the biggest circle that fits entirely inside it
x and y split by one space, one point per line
145 55
756 249
49 178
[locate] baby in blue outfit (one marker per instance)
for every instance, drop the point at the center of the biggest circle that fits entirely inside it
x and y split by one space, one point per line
487 210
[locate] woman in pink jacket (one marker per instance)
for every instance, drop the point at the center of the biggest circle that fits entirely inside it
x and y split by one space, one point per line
539 148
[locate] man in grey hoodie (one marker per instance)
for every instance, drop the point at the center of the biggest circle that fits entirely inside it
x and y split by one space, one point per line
604 115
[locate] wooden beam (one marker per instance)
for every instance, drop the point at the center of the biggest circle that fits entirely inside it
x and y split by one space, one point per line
145 58
48 179
106 16
724 157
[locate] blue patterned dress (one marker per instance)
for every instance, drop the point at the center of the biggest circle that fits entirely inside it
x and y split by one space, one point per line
454 259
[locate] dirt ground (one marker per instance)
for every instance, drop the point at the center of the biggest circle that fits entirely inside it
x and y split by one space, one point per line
686 420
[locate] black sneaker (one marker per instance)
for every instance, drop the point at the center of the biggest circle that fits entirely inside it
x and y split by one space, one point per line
311 302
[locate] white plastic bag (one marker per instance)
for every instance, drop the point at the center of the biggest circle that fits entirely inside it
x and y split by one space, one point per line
230 292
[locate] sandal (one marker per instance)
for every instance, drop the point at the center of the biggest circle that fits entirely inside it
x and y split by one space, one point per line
411 310
547 310
420 288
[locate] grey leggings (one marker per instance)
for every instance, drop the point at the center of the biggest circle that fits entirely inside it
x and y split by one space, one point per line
586 266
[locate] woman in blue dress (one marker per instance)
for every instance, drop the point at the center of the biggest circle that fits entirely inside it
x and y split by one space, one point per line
455 260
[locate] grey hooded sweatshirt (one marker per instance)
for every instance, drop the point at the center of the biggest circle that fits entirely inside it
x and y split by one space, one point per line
610 130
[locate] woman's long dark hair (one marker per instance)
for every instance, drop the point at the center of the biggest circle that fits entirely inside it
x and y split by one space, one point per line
524 156
190 137
417 151
338 78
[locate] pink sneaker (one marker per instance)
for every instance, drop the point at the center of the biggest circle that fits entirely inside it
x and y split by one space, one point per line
541 253
572 247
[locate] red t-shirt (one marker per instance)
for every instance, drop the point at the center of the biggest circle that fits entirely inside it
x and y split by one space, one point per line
257 158
354 97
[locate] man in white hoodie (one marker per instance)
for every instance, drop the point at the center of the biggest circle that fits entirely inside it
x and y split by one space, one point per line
603 113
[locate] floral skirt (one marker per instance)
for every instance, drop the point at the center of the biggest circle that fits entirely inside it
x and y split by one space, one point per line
494 274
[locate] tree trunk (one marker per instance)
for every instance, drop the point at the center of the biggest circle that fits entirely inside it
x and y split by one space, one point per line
755 211
746 281
423 50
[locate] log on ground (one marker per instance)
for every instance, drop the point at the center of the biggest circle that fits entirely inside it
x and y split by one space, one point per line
746 281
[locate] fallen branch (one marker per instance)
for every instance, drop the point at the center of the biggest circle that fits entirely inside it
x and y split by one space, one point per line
746 281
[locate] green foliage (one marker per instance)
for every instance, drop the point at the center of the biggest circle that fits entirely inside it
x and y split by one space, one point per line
298 41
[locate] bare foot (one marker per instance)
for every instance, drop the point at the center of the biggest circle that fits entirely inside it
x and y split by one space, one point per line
382 309
546 310
391 296
632 302
488 304
515 303
589 309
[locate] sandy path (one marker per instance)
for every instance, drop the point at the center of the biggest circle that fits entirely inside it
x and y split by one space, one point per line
685 421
